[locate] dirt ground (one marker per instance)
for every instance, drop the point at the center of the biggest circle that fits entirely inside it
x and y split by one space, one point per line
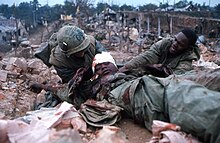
135 133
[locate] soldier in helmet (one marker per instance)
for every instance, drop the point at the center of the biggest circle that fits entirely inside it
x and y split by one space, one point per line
71 52
75 50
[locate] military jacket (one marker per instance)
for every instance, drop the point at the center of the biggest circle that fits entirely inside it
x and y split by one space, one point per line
159 54
67 66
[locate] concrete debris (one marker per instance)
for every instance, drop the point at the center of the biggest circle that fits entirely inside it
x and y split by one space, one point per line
202 63
3 75
110 134
17 131
133 35
15 75
25 43
169 133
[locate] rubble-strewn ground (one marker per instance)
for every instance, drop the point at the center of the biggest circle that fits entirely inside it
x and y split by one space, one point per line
16 99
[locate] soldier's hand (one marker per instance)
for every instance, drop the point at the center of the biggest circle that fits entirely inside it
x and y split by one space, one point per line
35 87
167 71
77 78
158 70
158 66
153 68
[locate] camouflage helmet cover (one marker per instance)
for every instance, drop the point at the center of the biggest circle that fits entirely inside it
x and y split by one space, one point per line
72 39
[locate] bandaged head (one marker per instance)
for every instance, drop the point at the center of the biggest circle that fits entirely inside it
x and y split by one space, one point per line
102 58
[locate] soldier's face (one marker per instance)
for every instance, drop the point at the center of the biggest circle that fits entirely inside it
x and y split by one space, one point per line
105 68
180 44
80 54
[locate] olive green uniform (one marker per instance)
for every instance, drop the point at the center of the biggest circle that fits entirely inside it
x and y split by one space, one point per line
183 102
159 54
61 51
67 66
193 107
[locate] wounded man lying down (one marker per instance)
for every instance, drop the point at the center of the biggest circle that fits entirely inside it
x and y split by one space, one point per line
183 102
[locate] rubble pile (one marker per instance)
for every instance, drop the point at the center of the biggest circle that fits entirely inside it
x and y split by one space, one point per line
15 75
208 58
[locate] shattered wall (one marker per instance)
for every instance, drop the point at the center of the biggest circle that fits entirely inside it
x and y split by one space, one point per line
179 21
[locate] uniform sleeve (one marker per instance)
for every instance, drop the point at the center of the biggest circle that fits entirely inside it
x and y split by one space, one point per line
64 73
150 56
183 67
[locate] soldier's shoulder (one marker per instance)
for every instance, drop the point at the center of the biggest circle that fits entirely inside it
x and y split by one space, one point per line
92 39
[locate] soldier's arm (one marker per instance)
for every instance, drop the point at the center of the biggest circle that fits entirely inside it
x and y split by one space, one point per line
64 73
150 56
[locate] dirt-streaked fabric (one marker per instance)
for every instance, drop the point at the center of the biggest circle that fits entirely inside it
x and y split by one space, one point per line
185 103
100 113
67 66
193 107
210 78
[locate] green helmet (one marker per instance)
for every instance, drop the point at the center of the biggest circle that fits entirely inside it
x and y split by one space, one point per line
72 39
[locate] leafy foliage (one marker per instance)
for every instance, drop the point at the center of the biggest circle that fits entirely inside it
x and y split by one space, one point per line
217 11
181 4
101 6
127 8
148 7
6 11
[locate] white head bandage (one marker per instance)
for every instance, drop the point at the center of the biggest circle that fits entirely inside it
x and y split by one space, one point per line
102 58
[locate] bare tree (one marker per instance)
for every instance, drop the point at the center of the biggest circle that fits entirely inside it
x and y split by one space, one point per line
82 8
